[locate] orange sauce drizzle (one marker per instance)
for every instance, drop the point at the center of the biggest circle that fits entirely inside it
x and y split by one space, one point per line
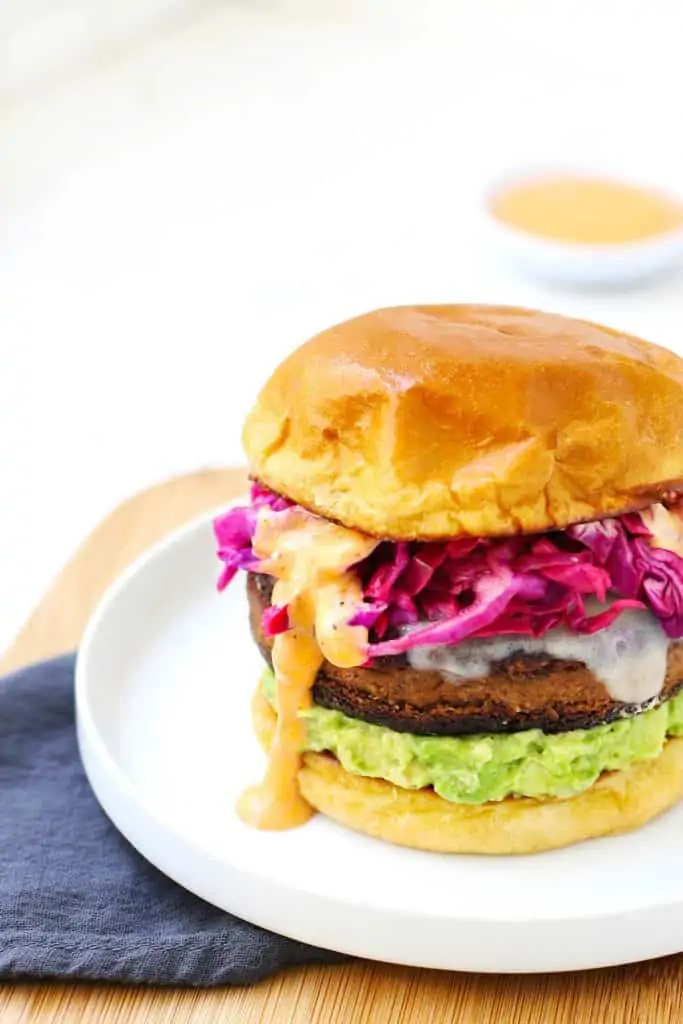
309 558
666 526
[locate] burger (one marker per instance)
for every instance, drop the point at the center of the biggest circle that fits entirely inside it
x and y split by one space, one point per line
464 565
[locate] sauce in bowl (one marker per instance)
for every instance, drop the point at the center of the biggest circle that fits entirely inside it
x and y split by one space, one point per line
586 210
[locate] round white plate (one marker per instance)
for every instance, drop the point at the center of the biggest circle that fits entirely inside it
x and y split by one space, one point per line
164 680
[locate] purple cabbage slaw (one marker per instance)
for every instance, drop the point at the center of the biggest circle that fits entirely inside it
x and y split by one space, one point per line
443 592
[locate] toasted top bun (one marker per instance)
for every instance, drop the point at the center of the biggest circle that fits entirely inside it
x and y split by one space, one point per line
437 421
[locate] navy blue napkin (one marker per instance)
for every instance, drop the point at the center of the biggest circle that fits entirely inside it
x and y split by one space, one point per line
76 900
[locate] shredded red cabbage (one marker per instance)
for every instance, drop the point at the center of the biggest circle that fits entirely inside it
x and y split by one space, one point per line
440 593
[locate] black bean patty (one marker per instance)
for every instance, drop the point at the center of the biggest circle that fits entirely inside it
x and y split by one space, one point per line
522 692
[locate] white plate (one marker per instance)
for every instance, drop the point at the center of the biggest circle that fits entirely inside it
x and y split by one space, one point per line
164 679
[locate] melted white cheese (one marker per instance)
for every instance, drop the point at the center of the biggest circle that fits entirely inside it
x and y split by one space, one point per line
629 657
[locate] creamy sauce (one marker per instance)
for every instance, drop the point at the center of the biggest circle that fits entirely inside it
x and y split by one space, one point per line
666 527
587 210
629 657
309 558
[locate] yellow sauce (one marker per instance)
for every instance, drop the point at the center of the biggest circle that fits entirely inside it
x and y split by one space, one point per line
309 558
587 210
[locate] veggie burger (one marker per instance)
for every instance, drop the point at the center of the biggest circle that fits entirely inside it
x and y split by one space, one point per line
464 559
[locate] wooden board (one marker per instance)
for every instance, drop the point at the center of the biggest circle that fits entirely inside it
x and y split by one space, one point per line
358 993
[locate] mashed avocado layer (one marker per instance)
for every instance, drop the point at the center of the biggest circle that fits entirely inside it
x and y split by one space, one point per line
476 769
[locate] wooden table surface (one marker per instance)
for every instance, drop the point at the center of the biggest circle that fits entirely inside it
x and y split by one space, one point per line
358 992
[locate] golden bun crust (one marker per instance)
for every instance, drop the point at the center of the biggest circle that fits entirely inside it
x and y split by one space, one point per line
438 421
618 802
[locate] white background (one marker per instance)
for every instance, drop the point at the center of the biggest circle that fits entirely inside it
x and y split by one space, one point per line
179 211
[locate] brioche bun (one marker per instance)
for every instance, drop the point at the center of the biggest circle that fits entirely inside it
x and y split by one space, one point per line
433 422
618 802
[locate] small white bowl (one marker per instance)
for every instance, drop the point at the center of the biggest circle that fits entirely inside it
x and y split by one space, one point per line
577 263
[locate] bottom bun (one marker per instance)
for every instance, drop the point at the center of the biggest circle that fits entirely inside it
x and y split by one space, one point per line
618 802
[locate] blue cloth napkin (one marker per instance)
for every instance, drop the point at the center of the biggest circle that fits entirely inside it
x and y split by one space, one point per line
76 900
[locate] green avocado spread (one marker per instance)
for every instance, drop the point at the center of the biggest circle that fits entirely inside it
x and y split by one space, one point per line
476 769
